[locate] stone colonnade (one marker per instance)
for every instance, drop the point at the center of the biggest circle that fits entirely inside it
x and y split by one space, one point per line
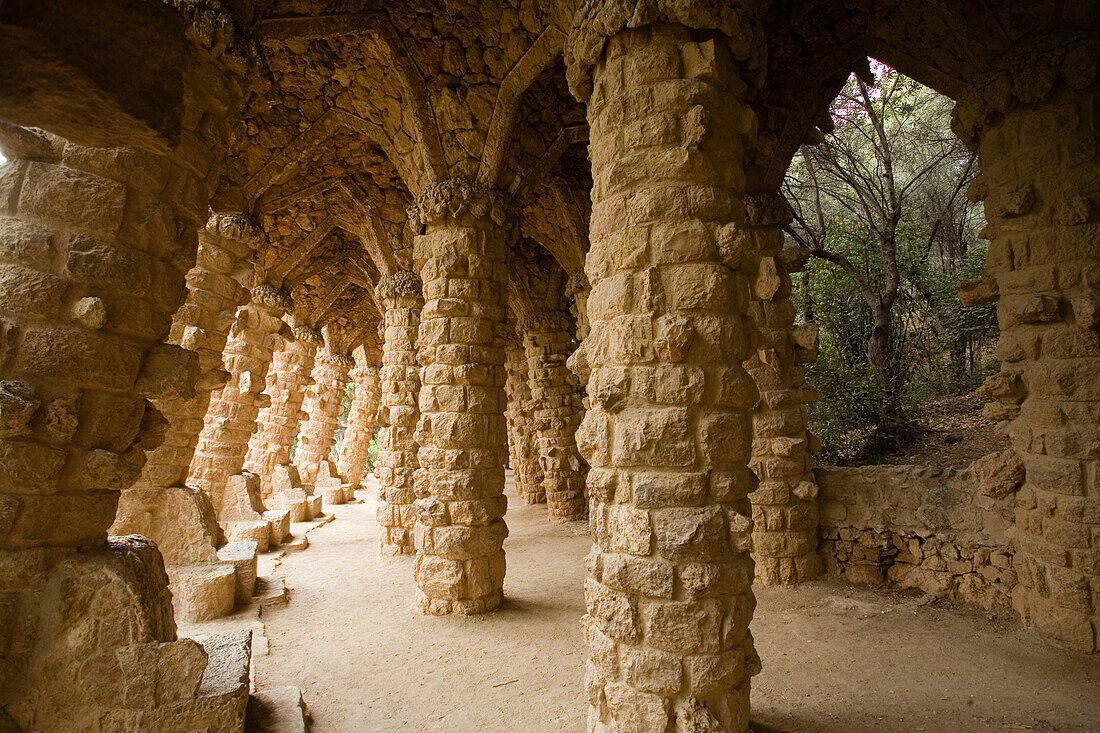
361 418
231 418
667 432
522 443
160 505
557 410
322 405
461 246
277 424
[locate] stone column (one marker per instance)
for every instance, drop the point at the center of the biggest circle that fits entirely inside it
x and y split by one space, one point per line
667 432
231 419
522 443
95 244
401 296
361 418
556 403
180 519
1034 122
277 424
784 505
322 405
461 248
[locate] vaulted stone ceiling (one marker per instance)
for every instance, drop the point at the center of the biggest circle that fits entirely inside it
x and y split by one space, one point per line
369 103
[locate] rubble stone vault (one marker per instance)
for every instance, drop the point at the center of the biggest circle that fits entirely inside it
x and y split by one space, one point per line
543 234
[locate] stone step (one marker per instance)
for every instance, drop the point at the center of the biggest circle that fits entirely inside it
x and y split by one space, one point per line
270 591
278 521
277 710
296 543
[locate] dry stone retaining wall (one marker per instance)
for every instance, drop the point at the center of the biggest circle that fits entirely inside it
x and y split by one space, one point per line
949 533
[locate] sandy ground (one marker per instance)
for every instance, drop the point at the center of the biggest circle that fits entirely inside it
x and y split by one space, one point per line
836 658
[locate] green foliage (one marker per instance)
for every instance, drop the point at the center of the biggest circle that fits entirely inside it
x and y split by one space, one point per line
881 205
372 452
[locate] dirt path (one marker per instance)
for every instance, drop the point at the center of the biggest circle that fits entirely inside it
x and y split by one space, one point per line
835 658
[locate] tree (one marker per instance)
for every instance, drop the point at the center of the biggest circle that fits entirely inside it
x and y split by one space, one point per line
875 198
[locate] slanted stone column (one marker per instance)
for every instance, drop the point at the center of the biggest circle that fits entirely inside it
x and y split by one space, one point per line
95 245
667 432
461 248
277 424
556 403
522 443
784 505
181 519
361 417
1034 122
231 418
401 296
322 405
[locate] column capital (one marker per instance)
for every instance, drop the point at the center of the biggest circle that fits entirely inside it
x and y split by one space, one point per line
599 20
401 283
343 362
543 320
454 199
307 334
577 283
236 226
266 295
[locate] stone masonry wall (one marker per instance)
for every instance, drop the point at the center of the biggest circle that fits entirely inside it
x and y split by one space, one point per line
231 418
1034 124
949 533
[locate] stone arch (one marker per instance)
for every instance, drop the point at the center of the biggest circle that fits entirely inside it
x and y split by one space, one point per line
378 26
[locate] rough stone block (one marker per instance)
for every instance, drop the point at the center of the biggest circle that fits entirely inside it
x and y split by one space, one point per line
258 531
279 522
242 556
203 592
